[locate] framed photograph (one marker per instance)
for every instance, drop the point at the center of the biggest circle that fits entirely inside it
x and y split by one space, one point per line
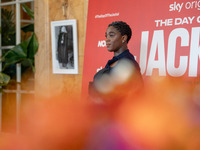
64 47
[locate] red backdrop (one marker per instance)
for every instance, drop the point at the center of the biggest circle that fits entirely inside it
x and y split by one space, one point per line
165 39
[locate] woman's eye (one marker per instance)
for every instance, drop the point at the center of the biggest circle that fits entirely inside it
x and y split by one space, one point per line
109 35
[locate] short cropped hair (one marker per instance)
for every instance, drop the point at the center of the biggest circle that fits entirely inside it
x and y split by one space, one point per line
123 28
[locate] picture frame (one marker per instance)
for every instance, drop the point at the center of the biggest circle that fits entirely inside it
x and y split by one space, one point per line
64 46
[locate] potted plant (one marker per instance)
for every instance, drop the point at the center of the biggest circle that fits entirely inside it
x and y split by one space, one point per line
22 53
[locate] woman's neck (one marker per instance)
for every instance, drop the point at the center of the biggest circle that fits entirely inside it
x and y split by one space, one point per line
122 49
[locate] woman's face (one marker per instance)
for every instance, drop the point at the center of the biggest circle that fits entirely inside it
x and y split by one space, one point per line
113 39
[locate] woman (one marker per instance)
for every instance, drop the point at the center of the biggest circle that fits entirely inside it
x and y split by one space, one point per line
110 87
121 74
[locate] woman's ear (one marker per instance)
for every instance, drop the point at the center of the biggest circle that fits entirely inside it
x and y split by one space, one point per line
124 38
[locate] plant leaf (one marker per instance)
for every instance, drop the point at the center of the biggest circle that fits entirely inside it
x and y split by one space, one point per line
16 54
4 79
22 53
28 10
29 63
28 28
32 47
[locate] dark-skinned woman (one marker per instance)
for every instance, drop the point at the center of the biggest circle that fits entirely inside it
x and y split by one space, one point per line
121 75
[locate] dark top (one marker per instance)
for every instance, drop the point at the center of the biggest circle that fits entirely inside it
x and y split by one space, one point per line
124 55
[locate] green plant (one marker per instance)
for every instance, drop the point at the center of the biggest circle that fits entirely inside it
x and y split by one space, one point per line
23 53
29 27
8 27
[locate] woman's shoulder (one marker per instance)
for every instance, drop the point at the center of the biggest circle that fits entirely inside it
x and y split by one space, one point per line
101 72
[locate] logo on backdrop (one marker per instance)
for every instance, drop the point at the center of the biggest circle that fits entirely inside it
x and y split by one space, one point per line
165 54
101 43
188 5
107 15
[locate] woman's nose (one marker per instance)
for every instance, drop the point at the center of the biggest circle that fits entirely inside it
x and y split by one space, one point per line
107 39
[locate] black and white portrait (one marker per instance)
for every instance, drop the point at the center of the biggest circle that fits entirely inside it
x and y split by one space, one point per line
64 47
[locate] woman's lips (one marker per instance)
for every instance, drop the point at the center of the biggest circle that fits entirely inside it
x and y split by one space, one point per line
108 45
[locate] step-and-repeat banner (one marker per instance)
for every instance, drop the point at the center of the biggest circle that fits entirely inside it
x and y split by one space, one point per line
165 39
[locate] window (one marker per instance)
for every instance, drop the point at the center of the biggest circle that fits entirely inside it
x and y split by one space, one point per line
14 23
